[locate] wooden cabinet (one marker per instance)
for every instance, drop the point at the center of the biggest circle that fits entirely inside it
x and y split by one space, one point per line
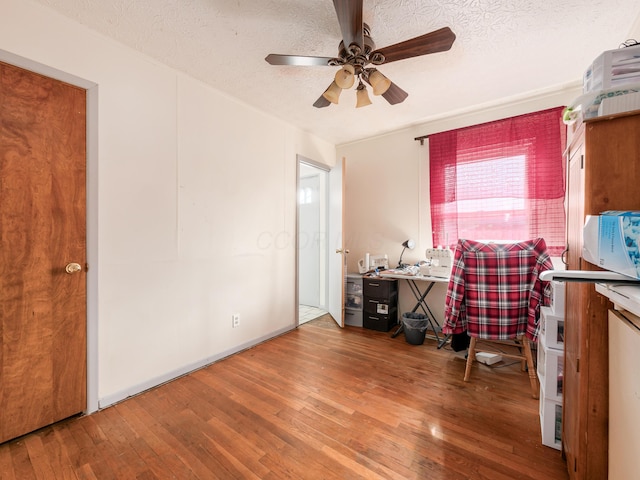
603 170
380 303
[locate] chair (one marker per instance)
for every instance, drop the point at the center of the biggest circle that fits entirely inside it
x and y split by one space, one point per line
495 294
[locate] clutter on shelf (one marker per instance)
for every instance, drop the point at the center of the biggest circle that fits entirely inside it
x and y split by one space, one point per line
611 85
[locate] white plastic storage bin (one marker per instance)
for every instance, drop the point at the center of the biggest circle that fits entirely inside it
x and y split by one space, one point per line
550 371
353 300
557 298
551 422
551 328
613 68
353 318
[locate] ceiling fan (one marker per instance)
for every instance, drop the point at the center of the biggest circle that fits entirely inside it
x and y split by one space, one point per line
357 52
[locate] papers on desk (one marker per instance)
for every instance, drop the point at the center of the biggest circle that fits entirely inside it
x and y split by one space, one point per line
409 271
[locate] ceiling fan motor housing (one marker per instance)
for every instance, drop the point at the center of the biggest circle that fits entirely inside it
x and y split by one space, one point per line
357 56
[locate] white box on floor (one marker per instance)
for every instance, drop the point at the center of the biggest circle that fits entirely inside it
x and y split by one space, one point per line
550 370
551 422
552 328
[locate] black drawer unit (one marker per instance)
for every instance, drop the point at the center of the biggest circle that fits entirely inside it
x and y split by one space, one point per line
380 303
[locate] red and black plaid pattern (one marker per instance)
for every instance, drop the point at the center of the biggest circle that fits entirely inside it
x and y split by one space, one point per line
494 291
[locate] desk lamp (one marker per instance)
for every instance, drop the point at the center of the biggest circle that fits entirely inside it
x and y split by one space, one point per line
410 244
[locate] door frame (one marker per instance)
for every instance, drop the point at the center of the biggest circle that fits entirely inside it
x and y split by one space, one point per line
324 301
337 252
91 209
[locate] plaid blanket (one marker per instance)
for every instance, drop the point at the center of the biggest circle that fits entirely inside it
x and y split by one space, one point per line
494 291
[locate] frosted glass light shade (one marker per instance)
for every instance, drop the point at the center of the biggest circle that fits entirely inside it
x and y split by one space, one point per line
332 93
379 82
362 97
345 77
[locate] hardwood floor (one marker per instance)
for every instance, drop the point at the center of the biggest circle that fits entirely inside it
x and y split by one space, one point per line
316 403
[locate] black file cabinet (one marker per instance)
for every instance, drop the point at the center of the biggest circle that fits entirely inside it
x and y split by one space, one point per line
380 299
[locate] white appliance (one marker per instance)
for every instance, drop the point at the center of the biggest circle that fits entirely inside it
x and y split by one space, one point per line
371 262
439 262
624 381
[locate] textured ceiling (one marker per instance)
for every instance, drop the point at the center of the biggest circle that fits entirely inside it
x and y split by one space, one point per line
503 49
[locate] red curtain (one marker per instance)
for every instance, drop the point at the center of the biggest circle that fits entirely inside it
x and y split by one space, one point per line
501 181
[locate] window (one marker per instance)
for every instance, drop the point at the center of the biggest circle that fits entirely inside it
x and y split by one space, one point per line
501 181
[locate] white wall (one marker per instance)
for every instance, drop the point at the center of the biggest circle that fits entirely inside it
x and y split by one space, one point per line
192 207
383 204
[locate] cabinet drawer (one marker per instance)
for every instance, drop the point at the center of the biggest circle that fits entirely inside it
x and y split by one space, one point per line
382 323
379 288
353 286
380 306
550 366
353 301
353 317
551 328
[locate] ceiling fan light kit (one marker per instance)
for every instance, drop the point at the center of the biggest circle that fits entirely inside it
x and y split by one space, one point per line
362 97
378 81
345 77
360 52
332 93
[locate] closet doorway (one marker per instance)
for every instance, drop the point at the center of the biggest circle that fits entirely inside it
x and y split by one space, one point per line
313 188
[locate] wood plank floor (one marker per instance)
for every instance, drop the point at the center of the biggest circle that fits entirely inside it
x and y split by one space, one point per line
319 402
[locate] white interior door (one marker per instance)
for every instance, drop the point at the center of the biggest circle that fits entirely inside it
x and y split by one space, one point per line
337 250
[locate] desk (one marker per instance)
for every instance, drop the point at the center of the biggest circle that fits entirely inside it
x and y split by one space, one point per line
421 301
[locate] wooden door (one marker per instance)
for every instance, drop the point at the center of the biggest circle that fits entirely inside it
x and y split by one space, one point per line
42 230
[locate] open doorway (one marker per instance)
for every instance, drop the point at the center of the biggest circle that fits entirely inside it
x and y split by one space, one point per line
313 186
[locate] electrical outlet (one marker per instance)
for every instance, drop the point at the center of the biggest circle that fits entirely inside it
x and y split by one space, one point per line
235 320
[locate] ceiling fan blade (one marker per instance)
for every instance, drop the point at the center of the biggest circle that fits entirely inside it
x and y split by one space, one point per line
436 41
395 94
350 18
321 102
299 60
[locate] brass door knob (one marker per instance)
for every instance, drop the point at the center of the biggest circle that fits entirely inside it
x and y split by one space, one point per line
73 268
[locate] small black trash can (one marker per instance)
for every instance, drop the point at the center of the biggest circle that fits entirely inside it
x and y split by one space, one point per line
414 326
